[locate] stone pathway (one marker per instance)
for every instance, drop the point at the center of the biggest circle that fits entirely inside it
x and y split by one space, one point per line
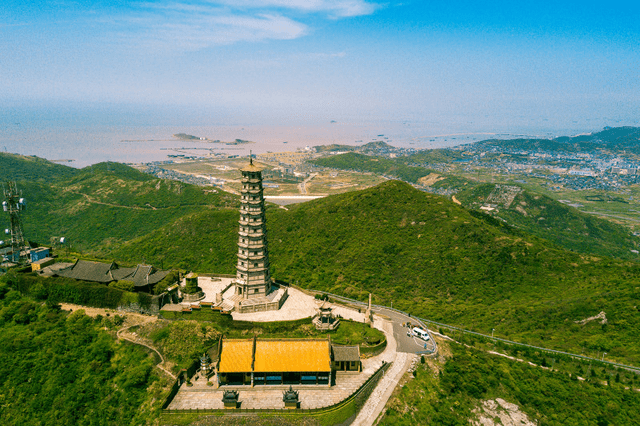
380 395
297 306
200 396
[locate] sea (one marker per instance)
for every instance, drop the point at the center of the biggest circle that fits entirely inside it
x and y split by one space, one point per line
81 135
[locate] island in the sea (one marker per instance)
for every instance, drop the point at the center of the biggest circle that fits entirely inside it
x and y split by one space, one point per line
186 137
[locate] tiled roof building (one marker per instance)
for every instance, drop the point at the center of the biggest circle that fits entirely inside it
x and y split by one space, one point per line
142 276
274 361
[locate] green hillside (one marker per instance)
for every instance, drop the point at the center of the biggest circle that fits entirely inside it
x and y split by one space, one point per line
451 390
439 260
60 369
615 140
103 206
564 225
428 255
20 167
402 168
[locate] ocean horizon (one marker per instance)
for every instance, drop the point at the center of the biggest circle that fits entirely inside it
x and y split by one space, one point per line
132 134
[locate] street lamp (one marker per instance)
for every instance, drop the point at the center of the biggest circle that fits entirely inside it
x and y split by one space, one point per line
492 330
603 356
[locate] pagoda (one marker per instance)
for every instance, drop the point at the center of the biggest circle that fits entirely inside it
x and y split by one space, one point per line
253 279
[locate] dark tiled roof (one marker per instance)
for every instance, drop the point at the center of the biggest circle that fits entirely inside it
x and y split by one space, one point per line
141 275
88 271
346 353
147 274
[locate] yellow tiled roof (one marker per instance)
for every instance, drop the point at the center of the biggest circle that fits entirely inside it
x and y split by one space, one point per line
236 356
292 355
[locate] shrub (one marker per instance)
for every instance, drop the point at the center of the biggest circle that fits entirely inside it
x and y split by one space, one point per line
191 286
123 285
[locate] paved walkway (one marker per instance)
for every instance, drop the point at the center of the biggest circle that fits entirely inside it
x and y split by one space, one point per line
201 396
381 394
297 306
211 286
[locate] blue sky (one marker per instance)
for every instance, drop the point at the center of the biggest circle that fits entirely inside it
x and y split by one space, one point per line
293 61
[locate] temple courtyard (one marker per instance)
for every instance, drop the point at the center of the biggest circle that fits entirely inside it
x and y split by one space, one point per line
201 396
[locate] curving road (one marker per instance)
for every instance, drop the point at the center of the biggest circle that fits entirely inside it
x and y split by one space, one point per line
407 344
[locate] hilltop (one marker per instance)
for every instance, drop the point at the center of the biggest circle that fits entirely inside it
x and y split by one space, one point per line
547 218
426 254
615 140
434 258
104 205
21 167
533 212
429 257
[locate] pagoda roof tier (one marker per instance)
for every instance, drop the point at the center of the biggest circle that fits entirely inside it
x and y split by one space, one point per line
253 234
246 223
250 246
258 269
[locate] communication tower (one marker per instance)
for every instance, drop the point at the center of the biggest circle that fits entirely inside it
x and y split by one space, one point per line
14 204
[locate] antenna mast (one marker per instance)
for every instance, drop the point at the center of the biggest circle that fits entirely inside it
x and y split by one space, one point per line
13 204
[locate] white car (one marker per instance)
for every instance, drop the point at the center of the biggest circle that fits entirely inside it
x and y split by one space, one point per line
421 333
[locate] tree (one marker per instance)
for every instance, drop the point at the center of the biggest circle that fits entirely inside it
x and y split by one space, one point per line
123 285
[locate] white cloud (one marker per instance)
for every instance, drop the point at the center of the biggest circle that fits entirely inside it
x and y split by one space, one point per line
197 24
336 8
189 27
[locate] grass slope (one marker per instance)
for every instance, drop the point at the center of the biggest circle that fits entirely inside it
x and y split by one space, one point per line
439 260
15 167
101 207
566 226
449 392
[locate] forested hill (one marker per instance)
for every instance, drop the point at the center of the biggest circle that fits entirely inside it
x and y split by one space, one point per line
547 218
434 258
104 205
533 213
430 257
21 168
615 140
421 251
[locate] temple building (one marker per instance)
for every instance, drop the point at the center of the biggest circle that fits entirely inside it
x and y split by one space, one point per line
257 362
